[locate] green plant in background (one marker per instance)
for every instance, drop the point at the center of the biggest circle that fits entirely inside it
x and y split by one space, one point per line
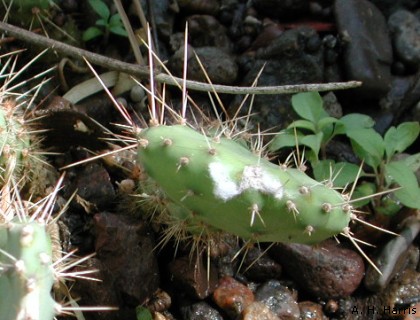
106 24
28 5
316 129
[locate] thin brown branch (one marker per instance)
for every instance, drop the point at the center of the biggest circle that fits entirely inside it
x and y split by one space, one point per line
143 71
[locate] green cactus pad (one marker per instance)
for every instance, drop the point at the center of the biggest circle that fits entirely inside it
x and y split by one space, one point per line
219 183
13 144
26 272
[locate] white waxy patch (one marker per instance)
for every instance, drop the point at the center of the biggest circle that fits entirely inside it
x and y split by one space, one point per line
253 177
224 187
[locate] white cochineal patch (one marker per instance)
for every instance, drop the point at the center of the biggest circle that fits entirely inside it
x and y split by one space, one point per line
253 177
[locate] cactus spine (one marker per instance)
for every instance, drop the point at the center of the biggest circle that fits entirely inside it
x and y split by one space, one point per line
218 184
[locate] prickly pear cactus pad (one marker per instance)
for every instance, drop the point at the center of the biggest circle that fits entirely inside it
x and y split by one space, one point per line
219 183
26 271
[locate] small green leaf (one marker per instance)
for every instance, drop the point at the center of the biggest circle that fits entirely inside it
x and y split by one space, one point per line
364 191
143 313
309 106
312 141
326 125
353 121
302 124
118 30
284 139
101 23
325 122
409 194
100 8
341 173
413 162
91 33
400 138
115 20
368 145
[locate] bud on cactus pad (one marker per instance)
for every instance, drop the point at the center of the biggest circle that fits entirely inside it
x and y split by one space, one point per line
26 271
218 183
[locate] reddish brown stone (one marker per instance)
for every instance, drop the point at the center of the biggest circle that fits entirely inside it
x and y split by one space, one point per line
232 296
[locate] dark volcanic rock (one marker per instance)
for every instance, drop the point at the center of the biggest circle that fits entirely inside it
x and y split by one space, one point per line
219 65
125 248
405 30
281 8
368 54
325 271
190 276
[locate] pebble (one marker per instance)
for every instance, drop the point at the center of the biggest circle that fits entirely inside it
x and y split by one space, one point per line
392 255
219 65
259 311
279 300
232 296
190 276
284 61
281 8
125 248
405 31
259 266
207 31
200 6
368 51
326 271
311 311
94 187
200 311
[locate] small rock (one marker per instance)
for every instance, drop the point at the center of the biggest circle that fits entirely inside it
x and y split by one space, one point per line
94 186
311 311
190 275
368 54
281 8
392 256
200 6
405 30
219 65
125 247
258 311
283 62
279 300
260 267
404 290
325 271
206 31
200 311
232 296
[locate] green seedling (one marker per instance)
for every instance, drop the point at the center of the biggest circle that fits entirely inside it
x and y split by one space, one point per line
106 24
317 128
26 6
